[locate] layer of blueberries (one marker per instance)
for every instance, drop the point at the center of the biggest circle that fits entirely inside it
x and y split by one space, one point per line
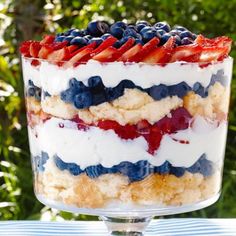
95 93
134 171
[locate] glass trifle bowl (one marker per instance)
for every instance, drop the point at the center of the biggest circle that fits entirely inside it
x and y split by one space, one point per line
127 141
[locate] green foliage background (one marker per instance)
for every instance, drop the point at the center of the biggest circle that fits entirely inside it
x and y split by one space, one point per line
26 19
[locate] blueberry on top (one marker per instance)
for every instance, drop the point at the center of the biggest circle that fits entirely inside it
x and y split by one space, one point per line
162 25
165 37
79 41
130 32
185 33
180 28
120 24
117 31
77 32
96 40
139 27
186 41
97 28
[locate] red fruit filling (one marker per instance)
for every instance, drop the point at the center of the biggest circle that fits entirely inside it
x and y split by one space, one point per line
179 119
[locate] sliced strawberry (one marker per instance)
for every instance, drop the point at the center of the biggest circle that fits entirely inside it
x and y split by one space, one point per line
47 39
210 54
145 50
126 46
34 49
44 52
56 45
25 48
161 54
189 53
105 44
78 57
92 46
58 55
108 55
129 55
72 48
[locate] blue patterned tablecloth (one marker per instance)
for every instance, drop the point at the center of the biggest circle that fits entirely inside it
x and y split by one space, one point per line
164 227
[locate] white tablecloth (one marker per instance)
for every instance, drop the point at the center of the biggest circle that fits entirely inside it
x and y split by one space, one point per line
167 227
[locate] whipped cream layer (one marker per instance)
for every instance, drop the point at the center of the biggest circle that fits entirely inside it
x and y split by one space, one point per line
55 79
87 148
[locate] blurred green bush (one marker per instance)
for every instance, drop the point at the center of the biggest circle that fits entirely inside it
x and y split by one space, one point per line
23 19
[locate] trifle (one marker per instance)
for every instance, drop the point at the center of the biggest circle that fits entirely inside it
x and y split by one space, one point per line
127 120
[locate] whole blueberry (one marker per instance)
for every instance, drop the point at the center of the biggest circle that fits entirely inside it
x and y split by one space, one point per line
67 95
177 171
117 31
177 40
117 44
105 36
186 34
162 25
74 169
146 28
60 38
83 100
112 94
148 35
186 41
97 28
180 28
31 91
60 163
180 89
174 32
199 89
139 27
126 84
161 31
130 32
77 32
68 38
165 37
163 169
95 171
77 86
95 81
79 41
98 41
132 27
120 24
159 92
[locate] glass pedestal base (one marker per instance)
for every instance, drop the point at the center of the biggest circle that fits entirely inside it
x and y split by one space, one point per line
126 226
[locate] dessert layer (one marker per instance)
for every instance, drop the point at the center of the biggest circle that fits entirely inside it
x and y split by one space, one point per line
89 147
136 105
54 79
158 190
134 171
